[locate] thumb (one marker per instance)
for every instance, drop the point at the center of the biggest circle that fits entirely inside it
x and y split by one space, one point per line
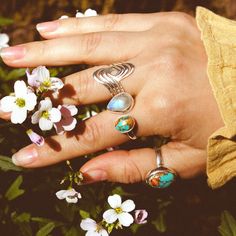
132 166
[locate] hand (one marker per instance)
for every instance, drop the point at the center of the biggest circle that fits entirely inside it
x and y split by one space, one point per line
173 97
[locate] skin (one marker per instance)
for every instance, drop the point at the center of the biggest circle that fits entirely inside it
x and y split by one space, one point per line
173 97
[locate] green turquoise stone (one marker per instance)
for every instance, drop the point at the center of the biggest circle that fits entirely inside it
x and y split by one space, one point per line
125 124
166 180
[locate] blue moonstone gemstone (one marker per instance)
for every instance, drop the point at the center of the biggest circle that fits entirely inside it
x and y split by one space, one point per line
121 102
125 124
161 178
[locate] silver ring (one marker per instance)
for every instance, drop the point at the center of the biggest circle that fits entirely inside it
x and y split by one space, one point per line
161 177
110 77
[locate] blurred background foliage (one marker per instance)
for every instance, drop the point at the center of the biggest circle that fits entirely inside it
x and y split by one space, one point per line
28 205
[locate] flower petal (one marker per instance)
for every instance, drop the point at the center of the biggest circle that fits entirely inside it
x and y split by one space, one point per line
68 110
61 194
59 128
103 232
56 83
110 216
42 73
88 224
128 206
79 14
70 199
35 138
114 201
45 104
125 219
35 117
55 115
33 78
20 89
4 39
30 101
92 233
18 115
69 124
90 12
45 124
7 103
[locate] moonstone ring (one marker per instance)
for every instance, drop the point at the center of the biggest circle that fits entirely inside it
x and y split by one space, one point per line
110 77
161 177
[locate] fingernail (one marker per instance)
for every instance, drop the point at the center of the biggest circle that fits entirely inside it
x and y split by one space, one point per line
25 156
92 176
47 26
13 53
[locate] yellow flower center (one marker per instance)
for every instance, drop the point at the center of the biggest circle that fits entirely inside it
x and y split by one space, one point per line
118 210
20 102
45 114
47 83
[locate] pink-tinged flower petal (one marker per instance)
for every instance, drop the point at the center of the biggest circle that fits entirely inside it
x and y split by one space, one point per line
45 104
42 72
55 115
140 216
88 224
68 110
59 128
35 117
114 201
4 39
33 78
45 124
18 115
110 216
8 103
20 89
35 138
128 206
125 219
56 83
30 101
69 124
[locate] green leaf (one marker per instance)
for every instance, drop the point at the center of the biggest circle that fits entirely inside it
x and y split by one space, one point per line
46 229
5 21
228 224
15 74
160 223
14 191
6 164
84 214
23 222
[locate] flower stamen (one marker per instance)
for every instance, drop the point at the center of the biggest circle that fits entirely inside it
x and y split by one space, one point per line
20 102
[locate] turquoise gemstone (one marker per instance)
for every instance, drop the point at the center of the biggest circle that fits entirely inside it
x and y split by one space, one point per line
121 102
125 124
166 180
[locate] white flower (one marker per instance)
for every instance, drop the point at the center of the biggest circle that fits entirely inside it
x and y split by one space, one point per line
70 195
87 13
93 228
4 39
67 122
40 78
64 17
35 138
120 211
47 115
19 103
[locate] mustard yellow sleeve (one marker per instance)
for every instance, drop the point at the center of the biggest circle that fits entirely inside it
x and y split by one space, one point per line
219 37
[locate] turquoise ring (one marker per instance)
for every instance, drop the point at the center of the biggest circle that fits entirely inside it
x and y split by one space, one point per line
161 177
126 125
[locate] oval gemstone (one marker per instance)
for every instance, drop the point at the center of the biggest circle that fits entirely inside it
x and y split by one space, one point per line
161 178
125 124
121 102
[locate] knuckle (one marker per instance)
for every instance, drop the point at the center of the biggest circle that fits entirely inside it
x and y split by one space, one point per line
132 174
90 42
91 136
110 21
84 86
